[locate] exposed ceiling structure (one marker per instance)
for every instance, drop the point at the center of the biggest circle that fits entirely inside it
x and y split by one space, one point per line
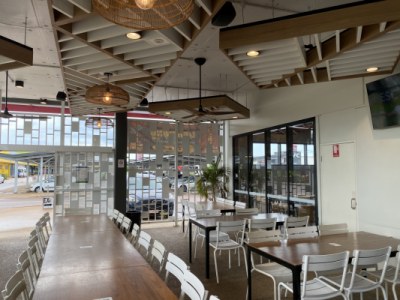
73 47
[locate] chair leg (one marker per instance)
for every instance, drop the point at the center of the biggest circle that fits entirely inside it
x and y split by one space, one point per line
216 266
245 259
394 290
229 258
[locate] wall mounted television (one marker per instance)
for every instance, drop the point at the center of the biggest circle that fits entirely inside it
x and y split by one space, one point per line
384 101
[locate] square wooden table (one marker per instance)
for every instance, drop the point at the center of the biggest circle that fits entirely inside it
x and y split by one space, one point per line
209 224
289 253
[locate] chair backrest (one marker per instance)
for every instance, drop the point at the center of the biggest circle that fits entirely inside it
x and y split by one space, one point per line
46 217
192 209
236 227
220 200
301 232
15 287
115 215
158 252
193 287
135 234
239 204
24 264
176 267
119 219
144 241
35 253
291 222
321 263
260 236
126 225
229 202
365 258
268 224
247 211
333 229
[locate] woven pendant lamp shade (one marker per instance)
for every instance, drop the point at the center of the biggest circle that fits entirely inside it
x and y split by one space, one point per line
107 94
144 14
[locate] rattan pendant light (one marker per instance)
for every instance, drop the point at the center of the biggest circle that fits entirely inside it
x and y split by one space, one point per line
107 94
144 14
97 122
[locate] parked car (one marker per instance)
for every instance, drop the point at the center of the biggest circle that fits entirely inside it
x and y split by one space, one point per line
2 178
47 186
188 183
146 194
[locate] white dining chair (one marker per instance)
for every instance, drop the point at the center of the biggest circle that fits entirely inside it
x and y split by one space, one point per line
391 276
357 283
272 270
158 252
35 255
192 287
176 266
301 232
24 264
246 211
226 227
329 229
144 242
296 222
317 287
267 224
134 235
15 287
240 205
125 225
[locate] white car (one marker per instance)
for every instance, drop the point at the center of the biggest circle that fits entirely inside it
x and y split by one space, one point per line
47 186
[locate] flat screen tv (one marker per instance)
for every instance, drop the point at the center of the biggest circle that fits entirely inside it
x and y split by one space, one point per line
384 101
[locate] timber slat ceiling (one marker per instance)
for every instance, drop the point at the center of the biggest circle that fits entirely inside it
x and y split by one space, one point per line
345 42
90 46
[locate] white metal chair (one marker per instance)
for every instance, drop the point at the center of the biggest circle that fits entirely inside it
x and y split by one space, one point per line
229 202
15 287
176 267
273 270
296 222
119 219
301 232
115 215
330 229
227 227
125 225
357 283
48 220
246 211
24 264
199 233
192 287
35 255
158 252
144 242
257 224
318 288
391 274
240 205
134 234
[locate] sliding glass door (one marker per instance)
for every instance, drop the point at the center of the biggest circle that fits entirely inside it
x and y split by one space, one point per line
274 169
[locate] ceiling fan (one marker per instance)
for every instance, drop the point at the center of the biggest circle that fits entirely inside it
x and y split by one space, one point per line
201 112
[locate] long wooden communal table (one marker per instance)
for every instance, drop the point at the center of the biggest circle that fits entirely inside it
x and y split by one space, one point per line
209 224
88 258
289 253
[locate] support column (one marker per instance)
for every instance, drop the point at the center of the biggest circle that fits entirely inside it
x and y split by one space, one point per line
121 145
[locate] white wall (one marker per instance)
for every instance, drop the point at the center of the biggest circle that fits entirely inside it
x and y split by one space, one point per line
342 113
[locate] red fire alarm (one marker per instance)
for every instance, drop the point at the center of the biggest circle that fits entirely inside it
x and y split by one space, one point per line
335 150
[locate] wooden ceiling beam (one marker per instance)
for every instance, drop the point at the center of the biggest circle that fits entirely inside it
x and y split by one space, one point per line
359 14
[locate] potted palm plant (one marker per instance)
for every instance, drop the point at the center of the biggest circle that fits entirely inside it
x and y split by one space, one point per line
213 179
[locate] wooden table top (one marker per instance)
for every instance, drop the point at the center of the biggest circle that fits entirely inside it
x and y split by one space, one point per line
212 222
88 258
291 252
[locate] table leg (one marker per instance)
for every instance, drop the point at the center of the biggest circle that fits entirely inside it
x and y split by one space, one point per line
207 249
249 273
190 241
296 283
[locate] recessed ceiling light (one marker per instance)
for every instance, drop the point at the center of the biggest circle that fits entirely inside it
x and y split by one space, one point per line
133 35
167 112
234 117
253 53
372 69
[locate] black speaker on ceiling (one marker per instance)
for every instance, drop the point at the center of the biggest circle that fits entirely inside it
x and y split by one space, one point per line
225 15
61 96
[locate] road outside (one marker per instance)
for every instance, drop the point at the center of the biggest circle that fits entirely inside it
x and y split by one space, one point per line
20 211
